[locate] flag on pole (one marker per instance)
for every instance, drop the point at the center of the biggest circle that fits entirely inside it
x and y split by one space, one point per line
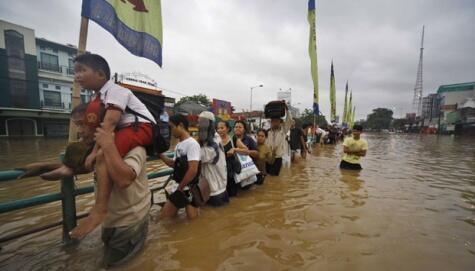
344 123
332 95
352 121
312 51
136 24
348 112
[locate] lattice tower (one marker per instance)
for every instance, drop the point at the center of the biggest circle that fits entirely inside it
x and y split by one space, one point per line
417 100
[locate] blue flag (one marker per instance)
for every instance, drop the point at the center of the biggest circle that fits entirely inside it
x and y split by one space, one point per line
136 24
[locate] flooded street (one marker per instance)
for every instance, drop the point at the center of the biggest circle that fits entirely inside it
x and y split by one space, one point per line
412 207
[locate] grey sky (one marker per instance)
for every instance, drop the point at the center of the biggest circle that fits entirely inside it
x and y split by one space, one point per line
222 48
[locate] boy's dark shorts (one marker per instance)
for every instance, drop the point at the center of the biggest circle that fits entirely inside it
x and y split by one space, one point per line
123 243
219 200
75 156
350 166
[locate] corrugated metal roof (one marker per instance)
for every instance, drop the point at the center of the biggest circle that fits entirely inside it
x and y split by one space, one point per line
456 87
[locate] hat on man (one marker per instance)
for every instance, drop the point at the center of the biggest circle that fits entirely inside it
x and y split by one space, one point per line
207 115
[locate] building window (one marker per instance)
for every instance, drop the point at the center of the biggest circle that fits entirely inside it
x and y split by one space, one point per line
18 93
14 44
15 47
45 86
49 62
58 87
3 129
52 98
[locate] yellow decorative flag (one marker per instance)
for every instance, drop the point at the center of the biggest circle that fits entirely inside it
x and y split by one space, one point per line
350 105
136 24
344 122
332 96
312 51
352 121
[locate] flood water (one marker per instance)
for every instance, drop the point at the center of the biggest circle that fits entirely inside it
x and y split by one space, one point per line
412 207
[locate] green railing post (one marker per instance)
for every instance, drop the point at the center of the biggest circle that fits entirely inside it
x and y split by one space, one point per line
69 208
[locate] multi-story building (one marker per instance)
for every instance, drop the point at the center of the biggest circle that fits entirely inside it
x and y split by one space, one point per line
452 97
36 80
55 83
19 97
450 106
430 108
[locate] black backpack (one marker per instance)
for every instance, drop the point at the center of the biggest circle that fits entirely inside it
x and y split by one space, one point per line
180 167
159 143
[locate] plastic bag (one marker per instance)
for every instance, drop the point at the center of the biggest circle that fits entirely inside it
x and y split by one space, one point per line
248 168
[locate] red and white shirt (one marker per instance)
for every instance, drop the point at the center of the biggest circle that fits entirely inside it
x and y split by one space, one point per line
120 97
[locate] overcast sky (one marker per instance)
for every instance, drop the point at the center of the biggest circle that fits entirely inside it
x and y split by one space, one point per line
222 48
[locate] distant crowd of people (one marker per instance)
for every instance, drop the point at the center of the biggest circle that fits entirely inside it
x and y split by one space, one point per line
116 129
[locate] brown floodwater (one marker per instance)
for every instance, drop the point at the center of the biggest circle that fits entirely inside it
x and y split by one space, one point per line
412 207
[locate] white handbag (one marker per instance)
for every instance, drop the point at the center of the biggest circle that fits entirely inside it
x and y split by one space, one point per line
248 168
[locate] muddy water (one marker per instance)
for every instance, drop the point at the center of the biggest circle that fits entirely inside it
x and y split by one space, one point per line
411 208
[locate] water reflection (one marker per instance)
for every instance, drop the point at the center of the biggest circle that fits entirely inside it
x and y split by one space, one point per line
412 207
351 179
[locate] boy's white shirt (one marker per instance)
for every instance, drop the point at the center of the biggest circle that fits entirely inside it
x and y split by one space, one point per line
111 93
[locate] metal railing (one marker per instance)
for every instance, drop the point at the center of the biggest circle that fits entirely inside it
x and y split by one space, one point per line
67 196
51 105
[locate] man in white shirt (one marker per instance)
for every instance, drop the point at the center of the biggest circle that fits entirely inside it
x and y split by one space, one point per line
186 169
277 142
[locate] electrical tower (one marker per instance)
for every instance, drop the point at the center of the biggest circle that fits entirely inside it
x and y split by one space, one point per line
417 100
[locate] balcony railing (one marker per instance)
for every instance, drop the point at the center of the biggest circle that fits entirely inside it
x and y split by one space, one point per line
49 105
64 70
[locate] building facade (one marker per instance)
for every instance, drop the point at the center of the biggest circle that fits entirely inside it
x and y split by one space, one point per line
430 109
452 97
55 84
19 96
36 81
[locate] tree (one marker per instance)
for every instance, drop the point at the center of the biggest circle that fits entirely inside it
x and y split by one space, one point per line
380 119
399 124
307 118
200 98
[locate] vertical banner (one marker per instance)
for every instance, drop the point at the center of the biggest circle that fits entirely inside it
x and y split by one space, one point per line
137 25
353 117
348 112
332 95
344 123
312 51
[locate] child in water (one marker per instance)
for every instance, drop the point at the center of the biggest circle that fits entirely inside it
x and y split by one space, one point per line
92 72
265 155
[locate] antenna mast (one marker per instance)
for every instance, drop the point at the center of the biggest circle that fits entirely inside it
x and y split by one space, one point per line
417 100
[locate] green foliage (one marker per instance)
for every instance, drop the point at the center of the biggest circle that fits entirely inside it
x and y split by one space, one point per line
200 98
399 124
380 119
307 118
